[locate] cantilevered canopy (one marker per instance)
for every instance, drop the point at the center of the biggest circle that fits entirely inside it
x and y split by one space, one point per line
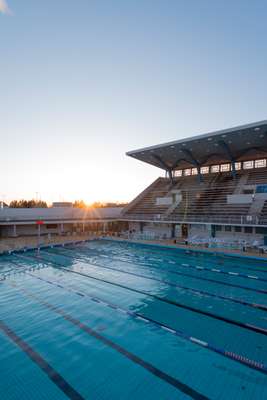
230 145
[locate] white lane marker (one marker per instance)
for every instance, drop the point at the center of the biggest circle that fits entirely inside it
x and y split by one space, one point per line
168 329
141 318
198 341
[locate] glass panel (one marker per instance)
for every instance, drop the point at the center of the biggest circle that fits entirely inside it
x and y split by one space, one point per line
225 167
179 172
215 168
187 171
204 170
248 164
260 163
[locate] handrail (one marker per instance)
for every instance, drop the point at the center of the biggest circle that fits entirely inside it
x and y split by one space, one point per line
238 220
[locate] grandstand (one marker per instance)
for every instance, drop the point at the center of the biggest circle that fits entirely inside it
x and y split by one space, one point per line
215 187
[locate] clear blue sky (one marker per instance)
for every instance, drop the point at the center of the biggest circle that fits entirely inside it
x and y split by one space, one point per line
83 81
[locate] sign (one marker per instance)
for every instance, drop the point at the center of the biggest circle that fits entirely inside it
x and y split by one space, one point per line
40 222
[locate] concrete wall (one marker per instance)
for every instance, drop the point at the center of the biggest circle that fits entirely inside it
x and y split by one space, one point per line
32 229
239 199
204 231
201 231
15 214
163 201
160 230
198 230
233 236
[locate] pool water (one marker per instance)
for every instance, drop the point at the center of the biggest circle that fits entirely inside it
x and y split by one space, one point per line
117 320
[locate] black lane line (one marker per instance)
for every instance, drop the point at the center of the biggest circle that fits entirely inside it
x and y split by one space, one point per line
233 356
85 247
214 281
53 375
217 296
131 356
250 327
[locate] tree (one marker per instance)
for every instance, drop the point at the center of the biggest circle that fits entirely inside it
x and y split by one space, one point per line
28 204
98 204
79 204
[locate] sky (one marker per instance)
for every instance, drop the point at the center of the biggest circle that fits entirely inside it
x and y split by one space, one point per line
84 81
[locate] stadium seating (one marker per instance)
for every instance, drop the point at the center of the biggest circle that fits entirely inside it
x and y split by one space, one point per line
201 201
263 214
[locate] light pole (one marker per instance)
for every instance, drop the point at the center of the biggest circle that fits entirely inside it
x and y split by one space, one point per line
39 223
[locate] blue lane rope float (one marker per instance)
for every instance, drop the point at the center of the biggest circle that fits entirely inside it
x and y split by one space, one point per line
263 291
137 258
234 356
197 267
234 300
253 328
182 387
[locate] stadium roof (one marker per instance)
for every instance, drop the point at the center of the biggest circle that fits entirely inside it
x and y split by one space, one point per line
235 144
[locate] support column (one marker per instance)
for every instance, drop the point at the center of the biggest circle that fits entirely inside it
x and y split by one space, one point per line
194 162
14 230
173 231
61 228
105 227
230 156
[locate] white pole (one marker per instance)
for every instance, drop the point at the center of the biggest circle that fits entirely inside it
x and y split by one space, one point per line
39 238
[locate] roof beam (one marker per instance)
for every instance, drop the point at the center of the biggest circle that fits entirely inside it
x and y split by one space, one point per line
229 154
164 166
194 162
175 165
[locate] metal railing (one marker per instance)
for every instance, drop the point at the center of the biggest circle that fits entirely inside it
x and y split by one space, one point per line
211 219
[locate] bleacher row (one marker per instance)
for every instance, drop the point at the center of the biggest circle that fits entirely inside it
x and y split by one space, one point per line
206 200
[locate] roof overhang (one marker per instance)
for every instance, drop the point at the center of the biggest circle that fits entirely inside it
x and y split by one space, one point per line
235 144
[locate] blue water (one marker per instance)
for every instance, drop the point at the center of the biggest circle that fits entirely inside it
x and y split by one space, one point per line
118 320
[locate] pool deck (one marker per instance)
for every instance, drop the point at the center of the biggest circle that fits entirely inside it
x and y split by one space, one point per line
19 243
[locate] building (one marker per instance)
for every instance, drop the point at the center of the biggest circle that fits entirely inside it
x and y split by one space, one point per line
55 220
215 187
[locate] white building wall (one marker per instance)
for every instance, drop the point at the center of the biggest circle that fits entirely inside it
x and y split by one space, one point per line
201 231
14 214
160 230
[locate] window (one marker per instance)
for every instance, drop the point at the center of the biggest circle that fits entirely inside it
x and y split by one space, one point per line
260 163
248 164
194 171
238 166
187 171
215 168
262 231
179 172
228 228
51 226
248 229
204 170
261 189
218 228
225 167
238 229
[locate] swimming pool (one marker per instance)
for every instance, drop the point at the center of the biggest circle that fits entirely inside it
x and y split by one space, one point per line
117 320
